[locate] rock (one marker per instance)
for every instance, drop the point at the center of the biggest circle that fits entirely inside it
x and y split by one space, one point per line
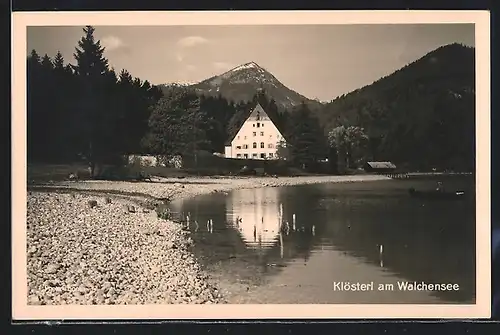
169 245
107 200
92 203
54 283
129 209
52 268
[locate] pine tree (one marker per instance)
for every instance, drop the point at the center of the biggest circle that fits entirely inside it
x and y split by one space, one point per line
59 61
46 63
34 107
94 79
305 138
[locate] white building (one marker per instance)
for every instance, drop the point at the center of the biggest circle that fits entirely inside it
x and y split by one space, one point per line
258 137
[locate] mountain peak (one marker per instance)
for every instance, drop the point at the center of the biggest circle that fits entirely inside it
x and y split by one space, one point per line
249 65
243 81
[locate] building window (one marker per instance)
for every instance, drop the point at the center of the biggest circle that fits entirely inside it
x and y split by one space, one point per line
263 125
262 155
254 133
245 138
254 125
238 137
271 154
254 145
262 144
245 155
270 136
254 155
238 155
258 125
245 146
238 147
261 133
270 145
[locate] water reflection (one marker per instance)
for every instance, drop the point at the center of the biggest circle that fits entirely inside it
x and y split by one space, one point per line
255 216
309 236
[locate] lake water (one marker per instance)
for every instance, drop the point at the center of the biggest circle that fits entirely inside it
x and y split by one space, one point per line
370 232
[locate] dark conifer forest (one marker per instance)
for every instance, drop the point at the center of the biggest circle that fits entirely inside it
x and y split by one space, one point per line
420 117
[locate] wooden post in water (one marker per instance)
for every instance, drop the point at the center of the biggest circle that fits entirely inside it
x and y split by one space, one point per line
281 245
381 255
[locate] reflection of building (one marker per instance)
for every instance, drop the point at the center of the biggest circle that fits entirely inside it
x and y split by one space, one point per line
255 214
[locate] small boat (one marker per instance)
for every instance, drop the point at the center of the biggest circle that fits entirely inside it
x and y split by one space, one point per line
434 194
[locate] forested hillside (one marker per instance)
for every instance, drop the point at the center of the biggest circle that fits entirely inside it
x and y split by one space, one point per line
422 115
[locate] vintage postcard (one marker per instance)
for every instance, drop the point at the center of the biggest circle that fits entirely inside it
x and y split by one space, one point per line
291 164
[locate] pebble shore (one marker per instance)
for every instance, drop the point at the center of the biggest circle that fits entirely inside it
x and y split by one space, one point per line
108 255
89 249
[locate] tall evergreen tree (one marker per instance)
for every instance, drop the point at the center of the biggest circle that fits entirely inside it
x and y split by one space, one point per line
96 119
306 142
59 61
35 117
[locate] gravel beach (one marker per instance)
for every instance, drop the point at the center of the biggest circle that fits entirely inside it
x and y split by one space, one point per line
89 242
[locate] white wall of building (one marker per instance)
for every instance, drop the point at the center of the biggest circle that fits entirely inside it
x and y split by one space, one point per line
258 138
227 151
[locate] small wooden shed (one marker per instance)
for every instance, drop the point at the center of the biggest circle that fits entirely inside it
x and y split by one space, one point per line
381 167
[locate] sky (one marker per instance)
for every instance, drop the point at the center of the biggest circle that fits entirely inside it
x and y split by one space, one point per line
318 61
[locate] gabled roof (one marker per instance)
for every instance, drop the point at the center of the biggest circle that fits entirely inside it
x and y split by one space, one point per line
248 113
381 165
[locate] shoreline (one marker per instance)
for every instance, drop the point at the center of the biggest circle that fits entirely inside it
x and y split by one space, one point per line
177 188
97 242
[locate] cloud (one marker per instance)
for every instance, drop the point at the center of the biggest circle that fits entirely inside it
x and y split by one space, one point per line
222 66
191 41
185 43
112 43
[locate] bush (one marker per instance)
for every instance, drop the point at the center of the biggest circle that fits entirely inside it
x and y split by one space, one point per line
278 167
122 173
